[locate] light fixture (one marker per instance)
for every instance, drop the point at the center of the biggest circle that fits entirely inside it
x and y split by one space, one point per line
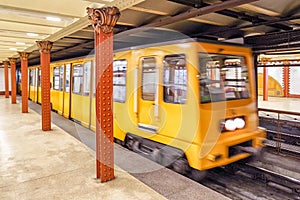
56 19
32 34
239 123
232 124
20 43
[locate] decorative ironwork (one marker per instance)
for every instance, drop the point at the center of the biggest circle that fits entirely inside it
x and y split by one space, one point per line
6 63
13 80
44 46
24 55
12 61
104 18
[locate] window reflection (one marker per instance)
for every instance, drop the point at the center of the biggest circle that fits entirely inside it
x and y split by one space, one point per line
222 77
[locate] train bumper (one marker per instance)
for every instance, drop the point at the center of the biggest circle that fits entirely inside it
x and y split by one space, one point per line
231 149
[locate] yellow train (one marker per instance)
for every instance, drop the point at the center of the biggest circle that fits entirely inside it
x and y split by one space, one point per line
189 105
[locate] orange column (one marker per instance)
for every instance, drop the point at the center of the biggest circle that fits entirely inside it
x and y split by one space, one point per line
103 21
265 84
24 71
13 80
6 63
286 79
45 48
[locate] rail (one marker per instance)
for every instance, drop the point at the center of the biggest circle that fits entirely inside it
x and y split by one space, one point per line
280 121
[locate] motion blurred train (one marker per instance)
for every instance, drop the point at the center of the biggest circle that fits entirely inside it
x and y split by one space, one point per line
186 104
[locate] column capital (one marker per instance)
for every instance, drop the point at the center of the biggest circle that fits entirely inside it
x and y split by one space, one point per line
12 61
6 62
104 18
44 46
24 55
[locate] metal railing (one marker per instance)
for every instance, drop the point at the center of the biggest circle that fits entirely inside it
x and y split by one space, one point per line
280 121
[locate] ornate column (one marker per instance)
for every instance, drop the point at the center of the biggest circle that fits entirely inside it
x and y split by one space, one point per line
45 48
286 79
13 80
6 63
103 20
24 70
265 84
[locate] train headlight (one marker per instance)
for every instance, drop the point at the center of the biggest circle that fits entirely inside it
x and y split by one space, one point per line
230 125
239 122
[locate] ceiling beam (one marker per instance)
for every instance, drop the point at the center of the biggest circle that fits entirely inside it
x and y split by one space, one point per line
58 54
218 30
197 12
259 10
252 19
274 38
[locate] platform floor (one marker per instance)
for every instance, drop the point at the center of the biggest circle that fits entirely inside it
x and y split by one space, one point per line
47 165
280 103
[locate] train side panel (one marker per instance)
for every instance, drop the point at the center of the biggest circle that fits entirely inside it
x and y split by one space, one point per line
171 113
153 116
81 92
33 84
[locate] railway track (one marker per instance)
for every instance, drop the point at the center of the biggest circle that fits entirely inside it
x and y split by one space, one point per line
246 181
275 176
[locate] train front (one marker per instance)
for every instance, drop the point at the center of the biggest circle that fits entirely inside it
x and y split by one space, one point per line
228 125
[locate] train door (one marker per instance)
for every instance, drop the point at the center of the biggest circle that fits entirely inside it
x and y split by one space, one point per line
33 84
148 113
30 78
36 84
39 88
66 89
80 97
77 76
93 100
57 89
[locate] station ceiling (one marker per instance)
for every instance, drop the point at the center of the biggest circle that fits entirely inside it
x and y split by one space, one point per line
266 25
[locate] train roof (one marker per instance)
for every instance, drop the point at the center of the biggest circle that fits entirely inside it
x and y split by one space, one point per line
159 37
129 40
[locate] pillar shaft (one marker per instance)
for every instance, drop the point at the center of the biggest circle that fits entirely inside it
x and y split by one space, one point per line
286 81
13 80
6 79
45 48
24 86
265 84
104 89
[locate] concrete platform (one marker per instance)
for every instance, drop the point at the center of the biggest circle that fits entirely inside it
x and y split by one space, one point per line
280 103
54 165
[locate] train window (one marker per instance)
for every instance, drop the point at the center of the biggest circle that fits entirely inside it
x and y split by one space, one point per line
119 80
77 79
148 78
67 83
56 78
94 78
39 78
222 78
61 78
175 79
31 77
86 78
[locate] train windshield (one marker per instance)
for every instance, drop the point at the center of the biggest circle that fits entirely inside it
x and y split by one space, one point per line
222 78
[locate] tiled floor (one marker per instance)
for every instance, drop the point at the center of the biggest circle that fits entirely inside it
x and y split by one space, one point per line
52 165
